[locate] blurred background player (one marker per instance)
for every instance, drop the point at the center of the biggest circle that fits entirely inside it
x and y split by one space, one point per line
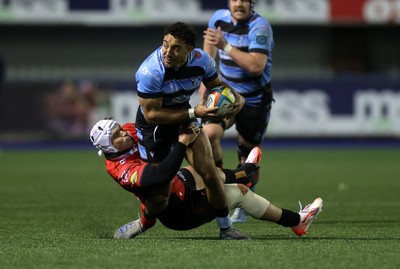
244 42
188 206
165 82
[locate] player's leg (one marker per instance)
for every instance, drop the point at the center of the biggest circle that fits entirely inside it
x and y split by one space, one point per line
157 200
241 175
251 124
215 133
202 161
260 208
215 130
243 150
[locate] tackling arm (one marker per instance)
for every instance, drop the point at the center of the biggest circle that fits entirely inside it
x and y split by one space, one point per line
165 171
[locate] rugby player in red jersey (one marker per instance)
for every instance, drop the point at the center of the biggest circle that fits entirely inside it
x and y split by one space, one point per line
184 189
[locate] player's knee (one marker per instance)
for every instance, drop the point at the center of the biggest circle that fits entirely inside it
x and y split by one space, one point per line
254 204
212 182
239 195
207 170
243 188
234 194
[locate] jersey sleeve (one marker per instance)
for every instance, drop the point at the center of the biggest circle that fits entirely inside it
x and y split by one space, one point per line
211 73
261 39
149 78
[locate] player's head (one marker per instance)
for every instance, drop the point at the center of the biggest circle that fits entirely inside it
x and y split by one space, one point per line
101 135
179 40
241 10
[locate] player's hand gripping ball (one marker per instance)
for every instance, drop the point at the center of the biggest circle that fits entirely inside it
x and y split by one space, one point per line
220 97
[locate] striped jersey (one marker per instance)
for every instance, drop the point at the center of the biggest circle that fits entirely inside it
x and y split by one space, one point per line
174 85
253 35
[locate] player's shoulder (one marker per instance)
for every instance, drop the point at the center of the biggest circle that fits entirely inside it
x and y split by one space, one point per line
152 69
199 56
152 63
198 53
259 21
258 25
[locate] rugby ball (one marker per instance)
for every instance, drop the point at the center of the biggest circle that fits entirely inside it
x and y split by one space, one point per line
220 97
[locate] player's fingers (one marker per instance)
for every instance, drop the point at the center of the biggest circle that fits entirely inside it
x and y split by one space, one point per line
196 130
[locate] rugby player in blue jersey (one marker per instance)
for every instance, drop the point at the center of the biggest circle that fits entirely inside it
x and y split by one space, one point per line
165 82
243 41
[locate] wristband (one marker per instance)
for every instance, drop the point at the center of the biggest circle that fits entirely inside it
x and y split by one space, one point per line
191 113
228 48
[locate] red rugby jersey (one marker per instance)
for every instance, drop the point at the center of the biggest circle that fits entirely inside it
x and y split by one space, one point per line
127 172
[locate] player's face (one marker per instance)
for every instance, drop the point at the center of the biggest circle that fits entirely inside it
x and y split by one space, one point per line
240 9
121 139
175 51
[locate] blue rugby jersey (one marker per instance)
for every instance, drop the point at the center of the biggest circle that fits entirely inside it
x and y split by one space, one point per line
253 35
175 85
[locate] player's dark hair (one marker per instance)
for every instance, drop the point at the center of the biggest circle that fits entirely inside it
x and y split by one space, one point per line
182 31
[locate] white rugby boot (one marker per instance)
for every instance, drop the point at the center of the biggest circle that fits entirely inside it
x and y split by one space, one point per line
129 230
307 215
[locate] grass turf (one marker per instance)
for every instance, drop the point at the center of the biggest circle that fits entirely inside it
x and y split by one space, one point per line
59 209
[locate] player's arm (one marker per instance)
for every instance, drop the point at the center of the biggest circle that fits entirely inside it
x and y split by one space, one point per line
155 114
210 49
212 84
145 175
253 62
150 96
163 172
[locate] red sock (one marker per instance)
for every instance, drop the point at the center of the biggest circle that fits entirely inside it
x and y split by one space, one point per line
147 220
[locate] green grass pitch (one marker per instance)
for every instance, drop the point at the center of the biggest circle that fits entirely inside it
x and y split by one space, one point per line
59 209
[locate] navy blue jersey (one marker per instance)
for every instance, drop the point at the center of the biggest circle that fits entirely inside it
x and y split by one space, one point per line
174 85
253 35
